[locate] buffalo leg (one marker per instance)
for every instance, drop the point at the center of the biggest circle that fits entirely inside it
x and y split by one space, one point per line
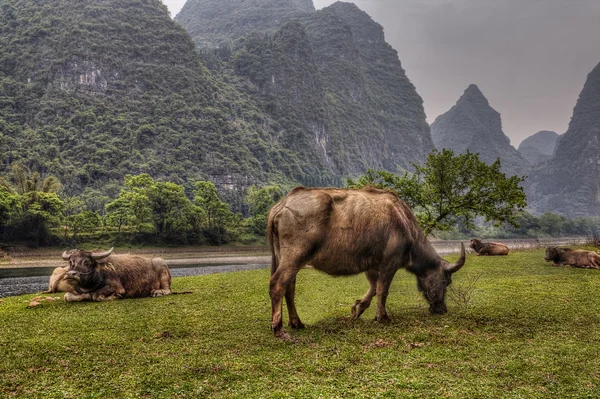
383 287
291 305
108 293
278 284
362 304
73 297
163 286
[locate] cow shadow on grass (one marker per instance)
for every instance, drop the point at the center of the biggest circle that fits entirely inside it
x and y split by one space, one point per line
417 321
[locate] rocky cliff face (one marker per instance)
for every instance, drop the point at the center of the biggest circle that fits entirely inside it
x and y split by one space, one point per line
539 147
570 182
472 124
336 88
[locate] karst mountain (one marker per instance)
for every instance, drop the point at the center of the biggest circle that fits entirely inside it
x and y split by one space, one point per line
473 125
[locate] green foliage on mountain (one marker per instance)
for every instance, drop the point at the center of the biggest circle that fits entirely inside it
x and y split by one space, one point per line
93 90
214 23
334 88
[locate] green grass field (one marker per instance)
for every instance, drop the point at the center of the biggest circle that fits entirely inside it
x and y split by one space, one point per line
529 330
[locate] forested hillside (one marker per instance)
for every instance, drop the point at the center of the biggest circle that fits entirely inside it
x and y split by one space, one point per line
335 88
214 23
93 90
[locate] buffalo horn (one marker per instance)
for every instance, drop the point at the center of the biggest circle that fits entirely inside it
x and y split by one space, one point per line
102 255
454 267
66 255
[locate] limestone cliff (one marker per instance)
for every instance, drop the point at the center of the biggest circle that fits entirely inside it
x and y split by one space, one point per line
570 182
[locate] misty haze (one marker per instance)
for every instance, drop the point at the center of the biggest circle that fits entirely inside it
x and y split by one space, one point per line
241 153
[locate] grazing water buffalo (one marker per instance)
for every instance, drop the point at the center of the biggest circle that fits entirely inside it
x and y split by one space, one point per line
104 277
343 232
575 258
488 248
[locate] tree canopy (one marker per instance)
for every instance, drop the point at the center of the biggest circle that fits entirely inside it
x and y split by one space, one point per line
449 187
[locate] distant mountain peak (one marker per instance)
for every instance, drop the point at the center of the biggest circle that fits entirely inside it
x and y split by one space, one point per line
544 141
473 90
364 27
473 125
475 96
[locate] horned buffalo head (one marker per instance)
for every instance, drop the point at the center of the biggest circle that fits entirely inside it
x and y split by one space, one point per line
552 253
434 282
83 264
475 244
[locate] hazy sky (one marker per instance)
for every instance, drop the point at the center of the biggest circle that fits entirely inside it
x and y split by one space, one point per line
530 58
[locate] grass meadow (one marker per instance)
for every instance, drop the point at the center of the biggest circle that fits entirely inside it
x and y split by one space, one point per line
517 327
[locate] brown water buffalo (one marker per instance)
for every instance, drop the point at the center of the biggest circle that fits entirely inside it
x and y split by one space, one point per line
571 257
344 232
488 248
58 282
104 277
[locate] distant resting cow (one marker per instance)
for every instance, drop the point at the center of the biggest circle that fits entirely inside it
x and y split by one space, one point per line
344 232
488 248
575 258
104 277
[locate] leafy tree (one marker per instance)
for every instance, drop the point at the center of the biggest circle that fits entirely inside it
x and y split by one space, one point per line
40 210
260 200
9 205
119 213
137 194
83 221
553 224
449 187
172 211
219 220
39 207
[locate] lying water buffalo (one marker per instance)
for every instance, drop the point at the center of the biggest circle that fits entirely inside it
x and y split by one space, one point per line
488 248
104 277
575 258
343 232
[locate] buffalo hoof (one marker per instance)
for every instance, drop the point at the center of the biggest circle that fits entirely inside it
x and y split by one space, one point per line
384 318
358 308
438 310
157 293
296 324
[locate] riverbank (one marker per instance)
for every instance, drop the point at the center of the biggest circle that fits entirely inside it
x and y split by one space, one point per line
174 256
185 256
